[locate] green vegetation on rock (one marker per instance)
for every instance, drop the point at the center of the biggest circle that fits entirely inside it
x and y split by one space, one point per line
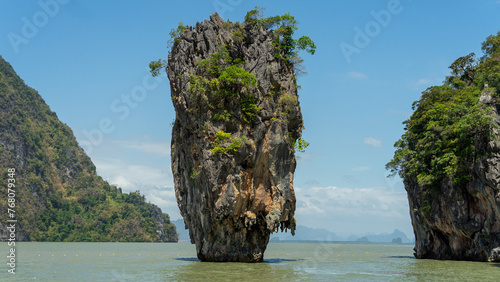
283 27
221 84
175 33
300 145
224 143
449 131
223 87
59 196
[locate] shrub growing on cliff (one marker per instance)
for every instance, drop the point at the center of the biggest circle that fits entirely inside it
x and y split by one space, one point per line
175 33
299 145
221 146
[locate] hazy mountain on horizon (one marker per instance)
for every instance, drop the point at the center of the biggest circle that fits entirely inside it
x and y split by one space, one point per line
183 233
382 238
304 233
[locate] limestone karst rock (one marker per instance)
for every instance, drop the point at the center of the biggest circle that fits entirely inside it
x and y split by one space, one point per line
237 118
463 221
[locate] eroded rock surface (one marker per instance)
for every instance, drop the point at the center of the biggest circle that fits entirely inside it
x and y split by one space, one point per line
233 190
463 222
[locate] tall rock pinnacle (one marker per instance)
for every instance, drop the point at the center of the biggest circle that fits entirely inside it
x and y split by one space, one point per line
237 120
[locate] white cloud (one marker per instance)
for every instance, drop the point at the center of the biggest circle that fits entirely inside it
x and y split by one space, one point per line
405 114
145 145
353 211
357 75
423 81
370 141
361 168
128 176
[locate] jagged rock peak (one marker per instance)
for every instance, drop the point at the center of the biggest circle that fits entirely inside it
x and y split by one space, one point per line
237 117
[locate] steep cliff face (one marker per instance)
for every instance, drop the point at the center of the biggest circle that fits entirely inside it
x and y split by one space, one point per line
463 221
57 194
237 118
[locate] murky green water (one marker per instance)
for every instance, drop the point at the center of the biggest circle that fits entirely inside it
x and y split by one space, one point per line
283 262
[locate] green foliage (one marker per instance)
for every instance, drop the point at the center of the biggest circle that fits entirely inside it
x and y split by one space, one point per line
155 67
215 64
224 143
288 100
441 136
234 146
225 87
306 43
491 46
489 69
222 136
238 35
299 145
249 108
175 34
449 130
223 116
218 150
463 71
253 16
284 27
468 70
194 172
234 78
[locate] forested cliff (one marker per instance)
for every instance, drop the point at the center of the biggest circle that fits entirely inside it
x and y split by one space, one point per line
57 195
449 159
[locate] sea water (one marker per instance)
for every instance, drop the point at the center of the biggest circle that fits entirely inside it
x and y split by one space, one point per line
282 262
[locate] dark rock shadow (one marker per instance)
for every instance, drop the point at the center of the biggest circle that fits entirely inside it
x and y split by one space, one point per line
280 260
402 257
272 260
189 259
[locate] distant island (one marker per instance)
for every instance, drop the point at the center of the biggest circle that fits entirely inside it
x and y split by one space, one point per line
304 233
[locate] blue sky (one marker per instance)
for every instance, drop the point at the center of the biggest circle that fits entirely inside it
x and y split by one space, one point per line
89 60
